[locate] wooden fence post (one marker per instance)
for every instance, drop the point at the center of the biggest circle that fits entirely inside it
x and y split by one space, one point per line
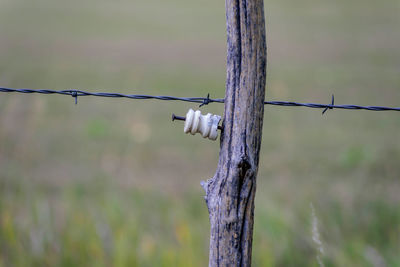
230 193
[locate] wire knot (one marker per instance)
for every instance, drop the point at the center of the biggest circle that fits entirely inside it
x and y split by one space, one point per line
206 101
331 106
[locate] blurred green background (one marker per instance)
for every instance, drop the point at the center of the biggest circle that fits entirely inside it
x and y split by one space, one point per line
113 182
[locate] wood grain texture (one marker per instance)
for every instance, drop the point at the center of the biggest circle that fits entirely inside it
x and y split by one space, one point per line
230 193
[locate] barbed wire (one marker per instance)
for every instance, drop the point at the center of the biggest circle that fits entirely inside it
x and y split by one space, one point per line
201 100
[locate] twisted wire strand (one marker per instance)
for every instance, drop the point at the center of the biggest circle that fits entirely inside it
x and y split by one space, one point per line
327 106
201 100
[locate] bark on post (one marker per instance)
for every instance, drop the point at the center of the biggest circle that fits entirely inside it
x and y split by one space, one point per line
230 193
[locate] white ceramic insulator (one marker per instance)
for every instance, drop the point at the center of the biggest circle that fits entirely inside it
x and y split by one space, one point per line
206 125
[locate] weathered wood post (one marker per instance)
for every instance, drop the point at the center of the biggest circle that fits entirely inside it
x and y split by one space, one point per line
230 193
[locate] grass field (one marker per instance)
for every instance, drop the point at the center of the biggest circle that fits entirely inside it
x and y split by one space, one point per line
112 182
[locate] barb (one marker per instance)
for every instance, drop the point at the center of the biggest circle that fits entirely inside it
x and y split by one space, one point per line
74 94
332 104
201 100
206 101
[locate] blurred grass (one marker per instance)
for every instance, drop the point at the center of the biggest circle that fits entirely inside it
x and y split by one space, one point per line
113 182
